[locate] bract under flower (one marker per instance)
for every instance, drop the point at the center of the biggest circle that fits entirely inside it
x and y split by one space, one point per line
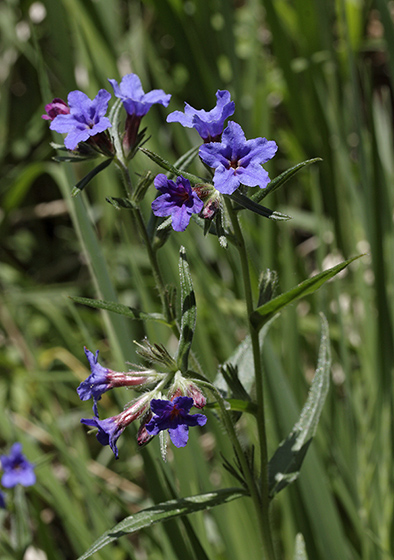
86 117
238 161
17 469
178 201
135 101
174 416
209 124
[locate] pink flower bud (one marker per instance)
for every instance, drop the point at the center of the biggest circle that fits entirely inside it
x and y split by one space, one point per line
57 107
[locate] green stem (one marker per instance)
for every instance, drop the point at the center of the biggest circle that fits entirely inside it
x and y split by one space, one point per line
245 466
126 179
254 337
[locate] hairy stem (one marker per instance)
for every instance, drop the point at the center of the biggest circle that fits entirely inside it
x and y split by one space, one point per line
254 337
137 215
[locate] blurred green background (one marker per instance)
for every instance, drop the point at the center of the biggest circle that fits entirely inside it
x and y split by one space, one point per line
316 77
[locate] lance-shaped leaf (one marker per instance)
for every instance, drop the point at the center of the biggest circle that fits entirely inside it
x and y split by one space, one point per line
250 204
188 311
300 551
186 159
164 512
120 202
242 359
121 309
83 182
171 168
285 465
263 313
281 179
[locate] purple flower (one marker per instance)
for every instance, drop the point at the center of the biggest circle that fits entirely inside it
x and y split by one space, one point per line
86 117
110 429
55 108
137 104
135 101
2 501
174 416
209 124
17 469
237 160
178 201
103 379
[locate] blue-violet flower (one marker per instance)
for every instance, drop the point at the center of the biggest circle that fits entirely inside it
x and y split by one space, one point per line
110 429
55 108
238 161
174 416
137 104
209 124
135 101
86 117
103 379
17 469
177 200
2 501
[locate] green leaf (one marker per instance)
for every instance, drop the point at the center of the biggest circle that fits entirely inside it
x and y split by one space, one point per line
121 309
236 405
281 179
250 204
187 158
119 203
171 168
263 313
242 359
83 182
300 551
285 464
188 311
164 512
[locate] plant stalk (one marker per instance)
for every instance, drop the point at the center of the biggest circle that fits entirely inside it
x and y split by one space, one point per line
254 337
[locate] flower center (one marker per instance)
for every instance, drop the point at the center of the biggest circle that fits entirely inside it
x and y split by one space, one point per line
174 413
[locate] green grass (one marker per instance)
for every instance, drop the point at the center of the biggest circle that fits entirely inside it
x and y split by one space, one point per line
305 74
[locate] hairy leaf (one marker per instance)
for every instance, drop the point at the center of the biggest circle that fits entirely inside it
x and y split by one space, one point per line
250 204
164 512
119 308
263 313
188 311
83 182
281 179
171 168
285 464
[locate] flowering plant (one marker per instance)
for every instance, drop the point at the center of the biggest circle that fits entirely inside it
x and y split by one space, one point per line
212 199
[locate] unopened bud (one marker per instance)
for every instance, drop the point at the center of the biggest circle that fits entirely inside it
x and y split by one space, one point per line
143 437
211 198
194 392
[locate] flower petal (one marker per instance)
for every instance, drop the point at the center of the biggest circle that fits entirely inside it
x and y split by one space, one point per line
179 435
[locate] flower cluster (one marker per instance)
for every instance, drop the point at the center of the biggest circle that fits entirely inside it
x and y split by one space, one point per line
16 470
234 160
84 119
156 414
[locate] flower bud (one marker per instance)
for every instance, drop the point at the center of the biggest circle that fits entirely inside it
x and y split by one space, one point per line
55 108
194 392
211 198
143 437
182 387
